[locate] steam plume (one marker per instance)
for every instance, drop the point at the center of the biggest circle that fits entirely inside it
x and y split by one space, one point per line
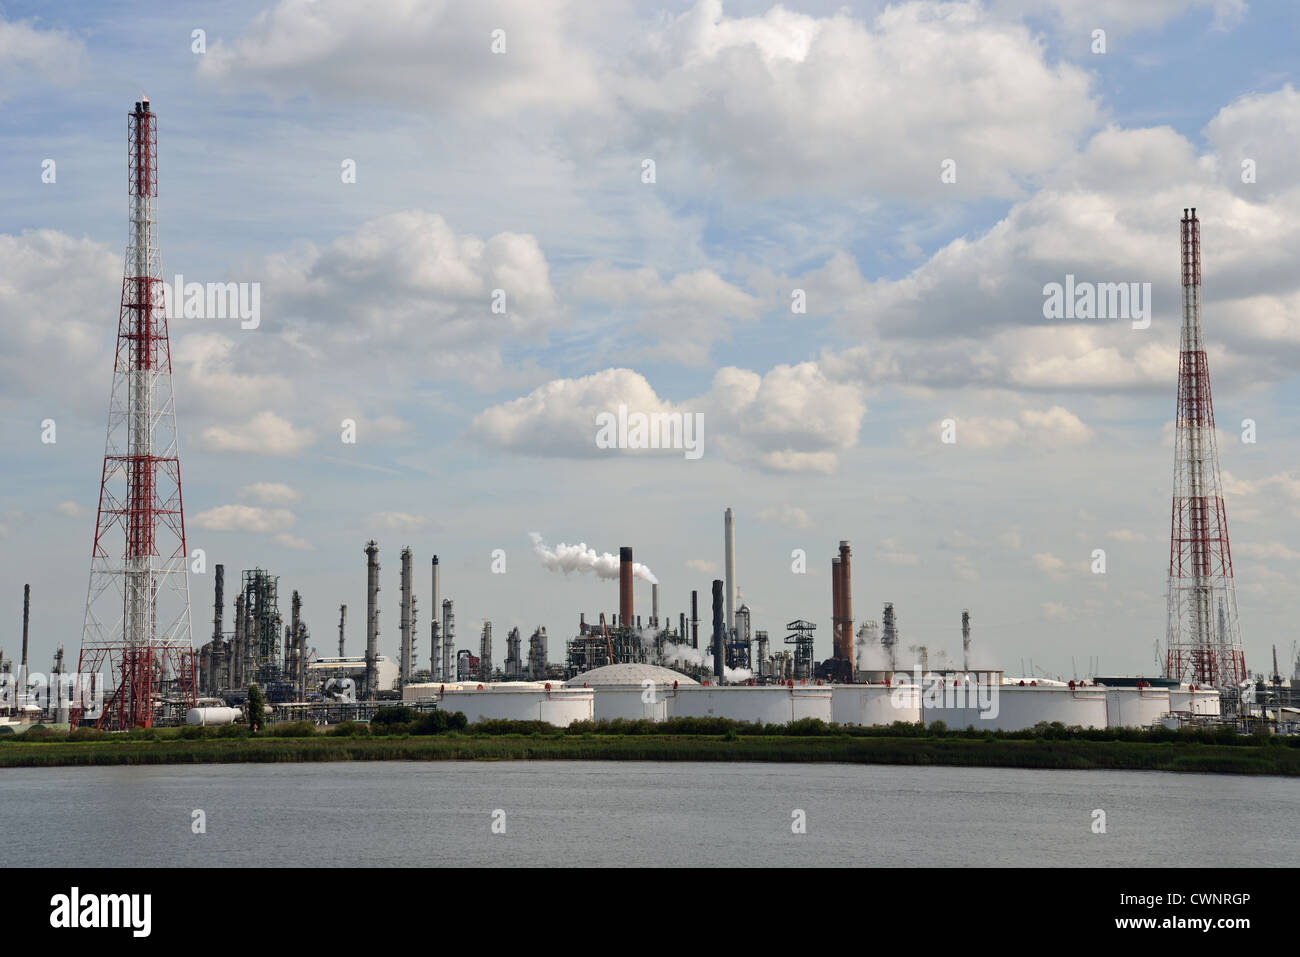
580 558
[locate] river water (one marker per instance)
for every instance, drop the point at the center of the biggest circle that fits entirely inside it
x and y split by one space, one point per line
561 813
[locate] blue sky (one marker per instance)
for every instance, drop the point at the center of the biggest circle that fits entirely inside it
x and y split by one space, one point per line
796 147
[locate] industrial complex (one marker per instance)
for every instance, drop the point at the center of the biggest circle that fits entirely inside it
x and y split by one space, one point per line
140 665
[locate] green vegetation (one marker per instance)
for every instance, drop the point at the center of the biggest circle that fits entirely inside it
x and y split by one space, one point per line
404 734
256 708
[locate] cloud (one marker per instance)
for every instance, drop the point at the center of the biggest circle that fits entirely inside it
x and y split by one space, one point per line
684 316
266 434
53 290
1048 562
791 516
244 518
431 56
972 312
69 509
292 541
900 558
559 418
1121 17
41 54
1125 535
405 286
1267 550
729 88
271 493
875 105
1054 427
790 419
399 521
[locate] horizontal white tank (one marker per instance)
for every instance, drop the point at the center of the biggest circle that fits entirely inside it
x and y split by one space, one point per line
868 705
207 717
559 706
770 704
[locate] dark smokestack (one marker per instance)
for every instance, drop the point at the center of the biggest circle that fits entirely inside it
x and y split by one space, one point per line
625 587
695 619
965 639
372 616
27 617
719 653
846 604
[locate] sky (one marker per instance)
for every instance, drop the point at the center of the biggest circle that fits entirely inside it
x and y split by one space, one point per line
655 190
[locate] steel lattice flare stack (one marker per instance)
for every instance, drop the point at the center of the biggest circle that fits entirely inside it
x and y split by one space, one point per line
1203 645
136 637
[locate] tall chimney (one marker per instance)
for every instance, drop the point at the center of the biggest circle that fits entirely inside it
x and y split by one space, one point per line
965 639
625 587
729 547
448 641
719 651
435 638
405 623
654 605
343 618
837 608
215 679
695 619
846 604
27 617
372 616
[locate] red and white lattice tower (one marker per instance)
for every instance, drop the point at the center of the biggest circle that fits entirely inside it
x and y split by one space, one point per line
136 635
1203 645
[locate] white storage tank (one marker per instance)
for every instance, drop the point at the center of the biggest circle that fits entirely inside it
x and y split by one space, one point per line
1013 706
872 705
1202 701
208 717
632 691
630 703
1137 707
558 706
769 704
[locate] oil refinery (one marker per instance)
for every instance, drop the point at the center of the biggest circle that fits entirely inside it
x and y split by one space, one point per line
139 663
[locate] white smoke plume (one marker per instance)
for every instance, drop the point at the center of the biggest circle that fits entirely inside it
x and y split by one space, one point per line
580 558
685 654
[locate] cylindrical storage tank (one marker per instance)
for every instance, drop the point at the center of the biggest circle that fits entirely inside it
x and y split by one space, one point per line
1000 707
631 704
769 704
1137 707
206 717
1202 701
874 705
560 707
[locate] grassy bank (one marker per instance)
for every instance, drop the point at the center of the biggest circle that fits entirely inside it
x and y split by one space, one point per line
899 745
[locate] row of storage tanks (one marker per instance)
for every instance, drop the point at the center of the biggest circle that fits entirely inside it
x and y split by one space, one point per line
637 691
